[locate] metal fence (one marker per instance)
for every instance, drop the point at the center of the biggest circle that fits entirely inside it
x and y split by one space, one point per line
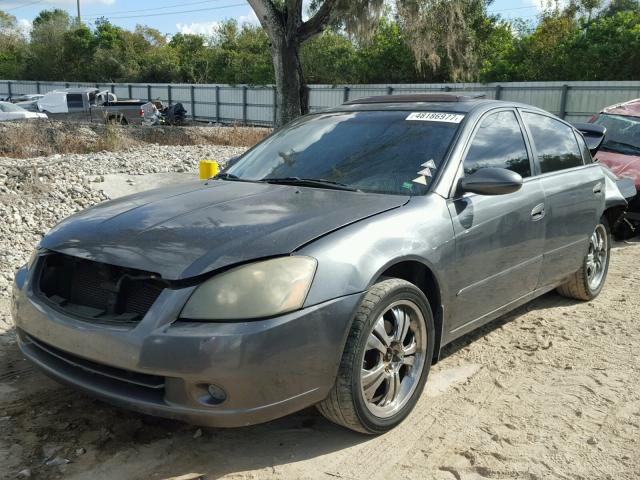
256 105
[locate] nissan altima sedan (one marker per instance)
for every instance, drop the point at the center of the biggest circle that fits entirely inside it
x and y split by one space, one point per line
327 266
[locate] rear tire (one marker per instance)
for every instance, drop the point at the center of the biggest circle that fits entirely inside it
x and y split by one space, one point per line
624 230
587 282
386 359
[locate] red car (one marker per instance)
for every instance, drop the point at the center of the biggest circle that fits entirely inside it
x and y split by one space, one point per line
620 151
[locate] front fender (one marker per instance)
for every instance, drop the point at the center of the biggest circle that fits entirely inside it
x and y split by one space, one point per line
350 259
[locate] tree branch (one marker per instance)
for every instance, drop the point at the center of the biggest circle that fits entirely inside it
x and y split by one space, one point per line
268 15
316 24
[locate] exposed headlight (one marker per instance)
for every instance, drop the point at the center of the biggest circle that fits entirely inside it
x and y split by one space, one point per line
257 290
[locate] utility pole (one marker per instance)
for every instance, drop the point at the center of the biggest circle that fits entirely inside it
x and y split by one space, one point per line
78 4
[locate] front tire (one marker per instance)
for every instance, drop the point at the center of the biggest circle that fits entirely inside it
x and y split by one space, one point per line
386 359
587 282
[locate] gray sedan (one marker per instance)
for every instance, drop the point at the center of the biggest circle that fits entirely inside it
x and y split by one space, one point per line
327 266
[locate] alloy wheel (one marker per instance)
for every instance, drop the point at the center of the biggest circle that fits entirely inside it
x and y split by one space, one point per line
596 262
393 359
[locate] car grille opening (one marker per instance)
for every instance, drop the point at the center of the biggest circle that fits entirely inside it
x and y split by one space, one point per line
97 292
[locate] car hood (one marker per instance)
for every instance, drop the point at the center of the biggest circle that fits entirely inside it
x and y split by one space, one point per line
192 229
622 165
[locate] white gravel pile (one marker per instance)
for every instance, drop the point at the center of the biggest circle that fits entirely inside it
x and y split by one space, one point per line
37 193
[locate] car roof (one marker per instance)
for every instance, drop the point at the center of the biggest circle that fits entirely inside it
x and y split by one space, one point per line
630 108
460 102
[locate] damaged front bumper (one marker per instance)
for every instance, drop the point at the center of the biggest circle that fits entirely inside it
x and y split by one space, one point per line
214 374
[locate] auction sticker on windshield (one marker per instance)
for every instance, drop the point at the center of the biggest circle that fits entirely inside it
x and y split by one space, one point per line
436 117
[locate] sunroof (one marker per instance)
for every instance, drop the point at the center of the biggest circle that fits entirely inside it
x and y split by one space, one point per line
428 97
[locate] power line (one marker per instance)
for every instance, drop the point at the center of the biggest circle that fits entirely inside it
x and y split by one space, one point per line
116 16
24 6
110 17
200 2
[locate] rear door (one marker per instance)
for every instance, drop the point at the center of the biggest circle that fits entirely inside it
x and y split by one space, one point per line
574 190
499 239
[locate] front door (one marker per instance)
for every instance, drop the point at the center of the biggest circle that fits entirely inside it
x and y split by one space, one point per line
499 239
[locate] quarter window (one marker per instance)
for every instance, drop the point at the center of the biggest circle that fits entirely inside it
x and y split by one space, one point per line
555 142
586 154
498 143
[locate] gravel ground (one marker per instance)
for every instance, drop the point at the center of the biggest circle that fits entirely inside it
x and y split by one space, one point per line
548 391
37 193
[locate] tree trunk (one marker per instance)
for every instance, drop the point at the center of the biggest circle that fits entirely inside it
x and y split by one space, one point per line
287 32
292 94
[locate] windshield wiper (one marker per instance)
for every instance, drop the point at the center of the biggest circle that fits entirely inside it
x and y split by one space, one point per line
310 182
231 177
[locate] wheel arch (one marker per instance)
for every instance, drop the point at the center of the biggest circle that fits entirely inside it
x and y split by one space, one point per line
424 277
614 214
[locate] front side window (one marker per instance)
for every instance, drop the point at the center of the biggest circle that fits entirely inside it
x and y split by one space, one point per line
373 151
498 143
555 143
74 100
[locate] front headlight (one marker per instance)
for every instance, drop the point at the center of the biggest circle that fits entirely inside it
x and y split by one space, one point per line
261 289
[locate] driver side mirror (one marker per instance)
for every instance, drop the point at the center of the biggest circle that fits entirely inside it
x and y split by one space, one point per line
491 181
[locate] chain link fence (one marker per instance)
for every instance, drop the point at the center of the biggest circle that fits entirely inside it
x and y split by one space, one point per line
257 105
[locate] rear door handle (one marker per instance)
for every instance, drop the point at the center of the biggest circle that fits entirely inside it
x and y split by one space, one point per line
597 188
538 212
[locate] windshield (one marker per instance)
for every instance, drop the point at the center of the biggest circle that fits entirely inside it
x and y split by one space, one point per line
378 152
623 133
10 108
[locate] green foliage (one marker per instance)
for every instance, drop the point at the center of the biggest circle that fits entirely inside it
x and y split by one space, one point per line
586 40
78 45
13 48
46 55
387 57
329 59
574 44
609 49
242 54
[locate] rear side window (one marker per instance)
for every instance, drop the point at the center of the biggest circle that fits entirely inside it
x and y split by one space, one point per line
555 142
74 100
498 143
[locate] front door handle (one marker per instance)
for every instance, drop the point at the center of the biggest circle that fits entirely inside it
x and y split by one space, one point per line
597 188
538 212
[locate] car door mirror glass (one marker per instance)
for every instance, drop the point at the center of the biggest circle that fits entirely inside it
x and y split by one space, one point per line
491 181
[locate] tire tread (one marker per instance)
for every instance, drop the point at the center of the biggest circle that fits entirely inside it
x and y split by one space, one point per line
576 286
338 407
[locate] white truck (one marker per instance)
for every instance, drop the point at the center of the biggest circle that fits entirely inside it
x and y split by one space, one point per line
90 105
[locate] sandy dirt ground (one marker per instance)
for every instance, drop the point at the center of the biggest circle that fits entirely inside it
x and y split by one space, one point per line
549 391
